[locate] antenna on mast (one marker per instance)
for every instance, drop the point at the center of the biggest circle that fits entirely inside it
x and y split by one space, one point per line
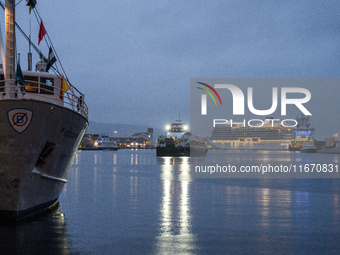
179 118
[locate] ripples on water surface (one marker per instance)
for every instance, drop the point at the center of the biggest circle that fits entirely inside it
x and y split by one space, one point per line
132 202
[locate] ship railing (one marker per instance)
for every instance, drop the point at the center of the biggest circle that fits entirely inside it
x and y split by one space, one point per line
70 99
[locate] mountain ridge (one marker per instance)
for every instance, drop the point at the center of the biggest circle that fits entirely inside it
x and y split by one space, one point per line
119 130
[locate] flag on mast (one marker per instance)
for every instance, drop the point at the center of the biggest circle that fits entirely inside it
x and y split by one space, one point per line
42 32
19 77
63 88
51 59
31 4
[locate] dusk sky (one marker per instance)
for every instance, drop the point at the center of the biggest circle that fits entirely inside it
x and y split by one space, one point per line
133 60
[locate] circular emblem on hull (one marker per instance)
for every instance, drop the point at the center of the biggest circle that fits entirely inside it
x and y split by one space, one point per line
20 118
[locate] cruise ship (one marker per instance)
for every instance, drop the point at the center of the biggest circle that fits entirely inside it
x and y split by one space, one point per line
269 135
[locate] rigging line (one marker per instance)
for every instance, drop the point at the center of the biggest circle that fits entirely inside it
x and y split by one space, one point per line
23 33
38 17
47 43
29 40
39 52
37 14
18 2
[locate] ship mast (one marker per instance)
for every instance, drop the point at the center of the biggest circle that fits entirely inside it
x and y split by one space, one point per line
10 48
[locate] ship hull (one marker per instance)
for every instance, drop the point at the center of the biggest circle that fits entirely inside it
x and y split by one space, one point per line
250 146
179 151
308 150
34 163
330 150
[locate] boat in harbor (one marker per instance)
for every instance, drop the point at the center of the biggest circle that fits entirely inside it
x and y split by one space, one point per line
331 146
43 118
308 147
179 142
105 142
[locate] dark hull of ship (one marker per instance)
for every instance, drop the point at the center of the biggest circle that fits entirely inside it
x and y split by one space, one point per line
99 149
308 150
34 164
110 148
179 151
295 147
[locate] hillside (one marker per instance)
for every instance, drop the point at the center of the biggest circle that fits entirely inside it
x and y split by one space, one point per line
123 130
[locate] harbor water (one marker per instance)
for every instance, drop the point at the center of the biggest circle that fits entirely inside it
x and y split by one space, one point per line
132 202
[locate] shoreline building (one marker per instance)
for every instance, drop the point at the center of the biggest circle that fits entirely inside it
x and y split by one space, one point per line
143 140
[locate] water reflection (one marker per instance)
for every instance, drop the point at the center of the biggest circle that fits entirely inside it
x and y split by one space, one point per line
142 203
115 159
175 210
274 209
336 213
45 234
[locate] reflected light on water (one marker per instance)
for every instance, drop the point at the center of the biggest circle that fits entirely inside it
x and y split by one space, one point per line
280 200
133 187
135 160
76 183
175 209
265 203
133 194
185 213
336 212
166 204
166 209
276 159
97 159
175 206
95 179
77 159
114 186
167 161
302 204
115 159
185 208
